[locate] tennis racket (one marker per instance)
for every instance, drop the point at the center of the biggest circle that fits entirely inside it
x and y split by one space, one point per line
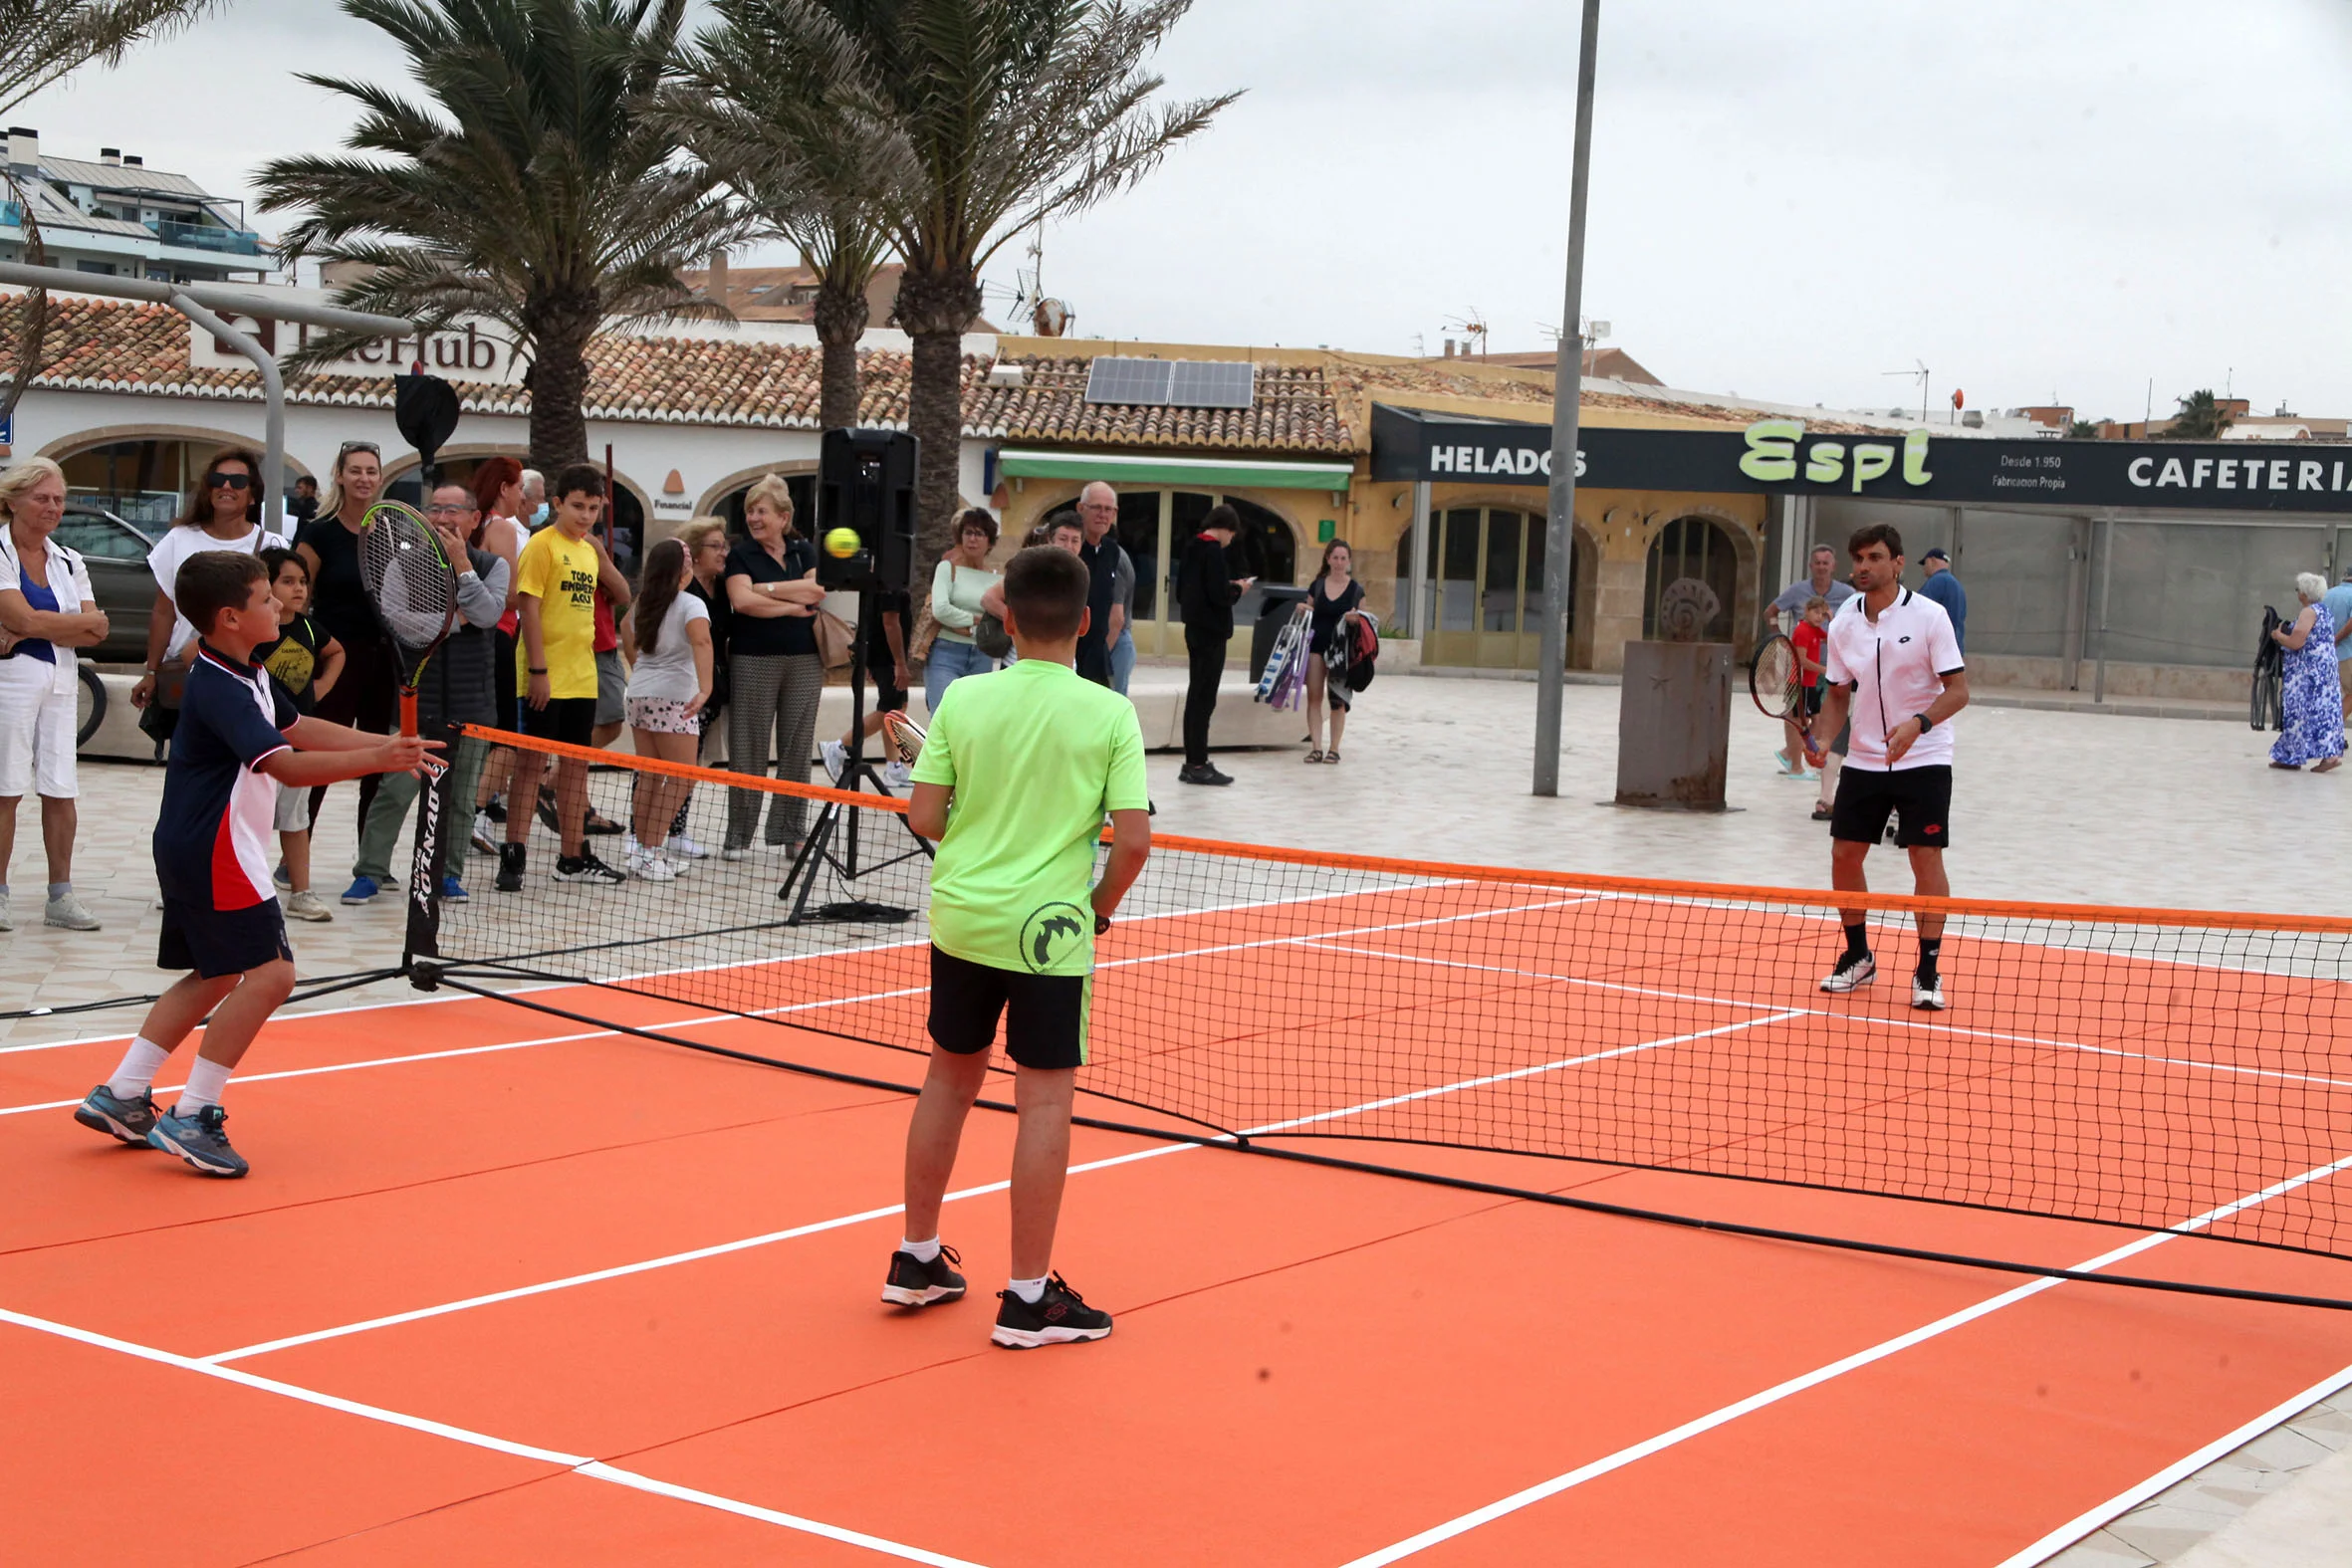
414 586
903 737
1776 678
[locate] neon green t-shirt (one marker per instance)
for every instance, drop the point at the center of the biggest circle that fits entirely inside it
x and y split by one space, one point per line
1034 756
561 573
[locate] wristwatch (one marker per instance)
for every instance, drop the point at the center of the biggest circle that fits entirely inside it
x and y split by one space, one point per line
1925 722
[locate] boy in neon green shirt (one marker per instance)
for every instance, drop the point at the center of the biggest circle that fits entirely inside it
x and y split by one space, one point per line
1016 775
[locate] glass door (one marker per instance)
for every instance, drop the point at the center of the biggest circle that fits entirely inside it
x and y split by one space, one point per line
1489 564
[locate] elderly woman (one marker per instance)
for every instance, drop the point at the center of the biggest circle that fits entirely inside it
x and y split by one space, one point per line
2311 699
46 612
775 674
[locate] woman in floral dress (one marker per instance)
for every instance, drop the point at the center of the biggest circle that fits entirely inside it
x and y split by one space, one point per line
2311 702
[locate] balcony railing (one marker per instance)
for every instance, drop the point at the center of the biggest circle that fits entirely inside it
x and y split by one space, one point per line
12 216
205 237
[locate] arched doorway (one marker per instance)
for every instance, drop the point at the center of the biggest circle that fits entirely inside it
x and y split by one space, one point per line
1693 548
803 487
1488 566
145 480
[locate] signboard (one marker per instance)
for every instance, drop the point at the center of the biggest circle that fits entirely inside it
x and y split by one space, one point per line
1780 457
471 350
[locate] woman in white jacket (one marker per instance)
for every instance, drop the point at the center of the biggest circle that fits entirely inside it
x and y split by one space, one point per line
956 586
47 611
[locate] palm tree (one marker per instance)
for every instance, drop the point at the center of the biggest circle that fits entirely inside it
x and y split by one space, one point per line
2201 418
767 101
41 43
534 184
1012 111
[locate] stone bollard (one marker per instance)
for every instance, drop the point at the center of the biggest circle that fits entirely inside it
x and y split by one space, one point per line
1674 725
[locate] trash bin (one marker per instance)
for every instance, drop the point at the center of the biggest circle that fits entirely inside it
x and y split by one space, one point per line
1275 605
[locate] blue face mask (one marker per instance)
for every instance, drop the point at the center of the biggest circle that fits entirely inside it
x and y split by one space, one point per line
539 518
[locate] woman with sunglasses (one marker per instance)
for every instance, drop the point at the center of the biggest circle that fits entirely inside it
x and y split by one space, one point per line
220 515
366 695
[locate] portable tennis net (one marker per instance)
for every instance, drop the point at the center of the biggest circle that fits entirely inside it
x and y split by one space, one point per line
2150 1069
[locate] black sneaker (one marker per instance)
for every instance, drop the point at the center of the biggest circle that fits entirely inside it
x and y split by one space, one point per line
510 869
915 1283
496 810
1058 1318
124 1121
1205 774
1854 971
584 868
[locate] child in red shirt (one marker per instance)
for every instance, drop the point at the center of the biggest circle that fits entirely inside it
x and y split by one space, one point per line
1811 639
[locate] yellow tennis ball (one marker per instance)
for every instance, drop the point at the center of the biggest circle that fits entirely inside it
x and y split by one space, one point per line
841 542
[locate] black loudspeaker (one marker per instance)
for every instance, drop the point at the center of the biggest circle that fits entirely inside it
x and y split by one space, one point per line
865 481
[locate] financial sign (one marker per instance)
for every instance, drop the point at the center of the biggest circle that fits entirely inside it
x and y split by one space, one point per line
1781 457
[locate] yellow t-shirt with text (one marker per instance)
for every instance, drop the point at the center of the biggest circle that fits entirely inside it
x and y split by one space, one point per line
562 574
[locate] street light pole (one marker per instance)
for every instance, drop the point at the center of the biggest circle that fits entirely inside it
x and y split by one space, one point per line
1567 397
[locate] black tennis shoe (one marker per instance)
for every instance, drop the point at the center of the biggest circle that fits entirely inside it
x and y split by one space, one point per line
915 1283
1058 1318
1854 971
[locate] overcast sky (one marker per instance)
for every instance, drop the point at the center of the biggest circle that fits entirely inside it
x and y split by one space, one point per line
2038 200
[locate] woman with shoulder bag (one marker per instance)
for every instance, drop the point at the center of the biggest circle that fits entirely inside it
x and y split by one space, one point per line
957 585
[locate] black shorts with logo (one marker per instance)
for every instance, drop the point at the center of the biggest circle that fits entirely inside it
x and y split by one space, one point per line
1920 799
218 942
1045 1015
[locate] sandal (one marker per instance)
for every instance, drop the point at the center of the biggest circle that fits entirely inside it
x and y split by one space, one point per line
1315 756
1332 758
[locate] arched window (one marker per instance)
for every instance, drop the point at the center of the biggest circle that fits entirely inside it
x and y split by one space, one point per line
1693 547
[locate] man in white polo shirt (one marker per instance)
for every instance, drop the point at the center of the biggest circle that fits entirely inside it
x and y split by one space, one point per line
1894 668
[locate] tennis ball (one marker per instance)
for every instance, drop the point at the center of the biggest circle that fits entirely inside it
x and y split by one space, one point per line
841 542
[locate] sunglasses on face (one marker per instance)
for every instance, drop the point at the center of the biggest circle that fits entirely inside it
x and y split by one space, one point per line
229 482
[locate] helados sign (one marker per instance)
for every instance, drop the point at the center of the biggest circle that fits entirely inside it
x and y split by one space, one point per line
1776 446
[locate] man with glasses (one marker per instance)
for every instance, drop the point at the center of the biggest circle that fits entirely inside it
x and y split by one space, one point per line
458 685
1108 564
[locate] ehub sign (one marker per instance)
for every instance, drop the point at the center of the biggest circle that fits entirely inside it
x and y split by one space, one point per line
1778 457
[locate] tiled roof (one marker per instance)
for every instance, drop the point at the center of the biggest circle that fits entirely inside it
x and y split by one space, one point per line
1534 387
1293 412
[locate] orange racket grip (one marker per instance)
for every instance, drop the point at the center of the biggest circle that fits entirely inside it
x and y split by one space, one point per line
408 711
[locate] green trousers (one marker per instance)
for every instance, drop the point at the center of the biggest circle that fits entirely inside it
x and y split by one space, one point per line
380 837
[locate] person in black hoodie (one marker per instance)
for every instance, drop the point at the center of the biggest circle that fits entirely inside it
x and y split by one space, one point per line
1206 589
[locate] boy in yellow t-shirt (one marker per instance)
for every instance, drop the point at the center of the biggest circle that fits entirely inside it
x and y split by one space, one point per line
1016 775
555 579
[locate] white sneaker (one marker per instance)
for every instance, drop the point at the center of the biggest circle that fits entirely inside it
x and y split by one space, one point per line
733 852
488 835
1852 973
629 846
307 905
66 914
897 775
649 867
684 847
1928 994
836 759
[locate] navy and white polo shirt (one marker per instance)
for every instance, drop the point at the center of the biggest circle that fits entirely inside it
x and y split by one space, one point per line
212 841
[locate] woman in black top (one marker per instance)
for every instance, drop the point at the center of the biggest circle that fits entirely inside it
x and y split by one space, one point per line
1206 589
775 674
330 547
1332 597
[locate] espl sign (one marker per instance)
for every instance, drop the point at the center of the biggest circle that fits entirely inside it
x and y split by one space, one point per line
1776 447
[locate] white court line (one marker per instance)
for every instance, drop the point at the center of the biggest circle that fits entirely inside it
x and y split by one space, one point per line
1963 1031
2180 1469
578 1464
769 1239
1467 1522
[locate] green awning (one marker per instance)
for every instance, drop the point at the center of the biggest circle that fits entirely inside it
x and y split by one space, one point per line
1222 473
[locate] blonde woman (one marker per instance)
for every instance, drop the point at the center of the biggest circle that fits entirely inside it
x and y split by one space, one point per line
46 613
775 674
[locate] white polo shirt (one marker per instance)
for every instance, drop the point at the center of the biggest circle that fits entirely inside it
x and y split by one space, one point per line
1897 665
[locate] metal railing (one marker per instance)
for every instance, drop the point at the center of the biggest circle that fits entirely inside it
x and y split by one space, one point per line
205 237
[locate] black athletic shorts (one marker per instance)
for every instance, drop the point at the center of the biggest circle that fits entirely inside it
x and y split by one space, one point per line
572 719
889 695
503 676
1045 1015
1919 797
1812 701
217 942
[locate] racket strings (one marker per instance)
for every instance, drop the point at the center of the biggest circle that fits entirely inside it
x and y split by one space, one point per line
409 578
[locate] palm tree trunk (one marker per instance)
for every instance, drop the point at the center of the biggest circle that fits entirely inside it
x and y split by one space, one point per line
559 386
840 316
935 308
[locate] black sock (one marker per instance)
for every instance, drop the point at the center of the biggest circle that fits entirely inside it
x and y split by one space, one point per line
1858 940
1929 949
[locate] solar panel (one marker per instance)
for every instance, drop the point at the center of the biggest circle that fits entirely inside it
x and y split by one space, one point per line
1140 381
1207 384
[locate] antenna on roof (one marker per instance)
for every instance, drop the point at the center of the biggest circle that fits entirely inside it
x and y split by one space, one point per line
1922 375
1471 326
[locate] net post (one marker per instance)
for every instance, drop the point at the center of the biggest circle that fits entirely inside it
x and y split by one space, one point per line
423 933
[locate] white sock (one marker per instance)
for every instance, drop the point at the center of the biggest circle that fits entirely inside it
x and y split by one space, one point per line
923 1251
1030 1290
140 1064
206 1082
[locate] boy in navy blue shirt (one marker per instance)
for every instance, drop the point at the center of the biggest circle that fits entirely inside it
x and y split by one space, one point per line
238 741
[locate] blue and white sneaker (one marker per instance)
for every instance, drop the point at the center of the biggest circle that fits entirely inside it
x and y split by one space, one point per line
361 891
126 1121
453 891
199 1140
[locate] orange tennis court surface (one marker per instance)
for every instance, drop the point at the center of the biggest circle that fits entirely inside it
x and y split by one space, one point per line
508 1288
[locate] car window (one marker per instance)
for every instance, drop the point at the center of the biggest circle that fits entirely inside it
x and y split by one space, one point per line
101 538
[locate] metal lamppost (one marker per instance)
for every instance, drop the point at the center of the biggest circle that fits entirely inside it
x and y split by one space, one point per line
1567 406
